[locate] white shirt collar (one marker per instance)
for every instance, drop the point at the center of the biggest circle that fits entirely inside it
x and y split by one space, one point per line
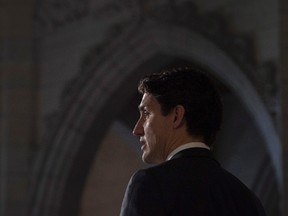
186 146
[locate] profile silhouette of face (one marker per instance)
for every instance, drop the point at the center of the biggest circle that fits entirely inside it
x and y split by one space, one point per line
153 129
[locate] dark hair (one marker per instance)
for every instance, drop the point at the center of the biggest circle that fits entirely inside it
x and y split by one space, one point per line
193 89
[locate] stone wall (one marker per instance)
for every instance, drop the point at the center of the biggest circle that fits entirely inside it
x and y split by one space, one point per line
18 104
51 51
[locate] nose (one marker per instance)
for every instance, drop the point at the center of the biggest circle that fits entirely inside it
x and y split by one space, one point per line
138 128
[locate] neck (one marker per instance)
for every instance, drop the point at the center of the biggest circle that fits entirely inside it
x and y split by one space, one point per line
187 146
181 141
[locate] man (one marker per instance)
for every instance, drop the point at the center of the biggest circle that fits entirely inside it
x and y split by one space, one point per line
180 115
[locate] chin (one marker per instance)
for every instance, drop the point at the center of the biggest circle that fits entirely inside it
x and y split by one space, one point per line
149 160
146 159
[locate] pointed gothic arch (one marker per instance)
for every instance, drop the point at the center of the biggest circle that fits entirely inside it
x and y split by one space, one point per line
113 74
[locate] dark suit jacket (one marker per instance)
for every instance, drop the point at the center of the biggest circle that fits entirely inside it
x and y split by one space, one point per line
192 183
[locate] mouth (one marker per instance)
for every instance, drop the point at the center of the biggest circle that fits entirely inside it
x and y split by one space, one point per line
143 144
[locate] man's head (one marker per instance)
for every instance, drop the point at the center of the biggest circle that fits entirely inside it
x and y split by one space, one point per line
185 93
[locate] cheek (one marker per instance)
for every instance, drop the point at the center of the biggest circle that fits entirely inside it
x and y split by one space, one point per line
150 130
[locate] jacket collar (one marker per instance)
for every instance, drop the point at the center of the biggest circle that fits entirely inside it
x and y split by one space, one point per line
194 152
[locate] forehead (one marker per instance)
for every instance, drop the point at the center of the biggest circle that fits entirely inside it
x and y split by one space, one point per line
148 100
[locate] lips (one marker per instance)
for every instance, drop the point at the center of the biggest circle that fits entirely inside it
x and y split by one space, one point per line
143 144
143 147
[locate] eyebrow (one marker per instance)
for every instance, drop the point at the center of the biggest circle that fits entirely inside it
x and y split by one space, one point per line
142 107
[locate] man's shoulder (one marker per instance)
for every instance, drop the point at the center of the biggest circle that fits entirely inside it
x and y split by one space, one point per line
154 171
198 169
167 168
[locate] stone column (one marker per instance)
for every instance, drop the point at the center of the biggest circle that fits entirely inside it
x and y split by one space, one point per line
18 104
284 100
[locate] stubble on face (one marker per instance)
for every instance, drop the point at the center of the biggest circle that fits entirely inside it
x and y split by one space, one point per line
152 127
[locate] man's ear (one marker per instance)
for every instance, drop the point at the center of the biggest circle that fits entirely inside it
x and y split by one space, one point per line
179 112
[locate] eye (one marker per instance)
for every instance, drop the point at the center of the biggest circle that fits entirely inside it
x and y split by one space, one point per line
145 113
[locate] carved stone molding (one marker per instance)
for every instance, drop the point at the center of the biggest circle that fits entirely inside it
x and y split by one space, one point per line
184 14
267 82
213 26
52 14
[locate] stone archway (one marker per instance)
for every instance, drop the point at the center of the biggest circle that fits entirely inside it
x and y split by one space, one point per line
112 74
